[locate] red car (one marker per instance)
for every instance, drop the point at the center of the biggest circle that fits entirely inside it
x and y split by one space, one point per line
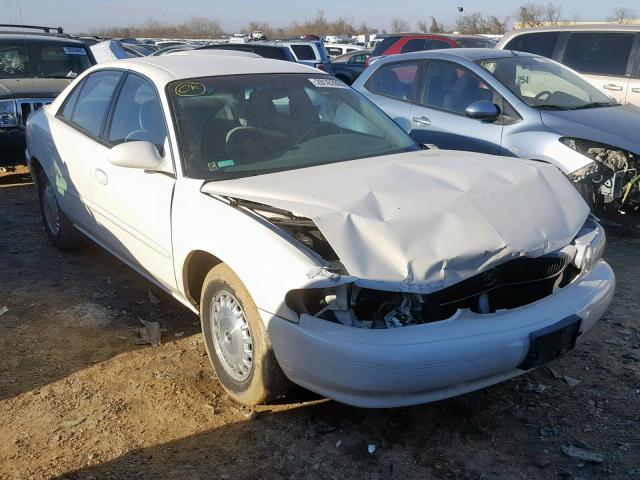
417 42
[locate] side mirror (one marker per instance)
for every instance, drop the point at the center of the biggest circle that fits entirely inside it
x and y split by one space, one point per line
482 110
142 155
403 123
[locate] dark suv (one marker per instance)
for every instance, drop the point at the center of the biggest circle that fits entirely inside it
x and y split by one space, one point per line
34 69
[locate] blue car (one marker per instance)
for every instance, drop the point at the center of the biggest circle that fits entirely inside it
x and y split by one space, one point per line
515 104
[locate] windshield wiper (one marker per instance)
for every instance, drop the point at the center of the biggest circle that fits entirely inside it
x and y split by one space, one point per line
550 107
595 105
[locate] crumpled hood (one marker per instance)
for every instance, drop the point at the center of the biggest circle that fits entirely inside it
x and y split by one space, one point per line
617 126
32 87
425 220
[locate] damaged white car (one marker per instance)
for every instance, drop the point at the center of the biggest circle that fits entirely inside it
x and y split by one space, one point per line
318 242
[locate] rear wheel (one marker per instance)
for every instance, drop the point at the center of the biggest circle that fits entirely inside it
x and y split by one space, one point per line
57 225
237 341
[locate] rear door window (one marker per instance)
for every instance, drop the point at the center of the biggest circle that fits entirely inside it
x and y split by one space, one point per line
94 99
599 53
303 52
413 45
70 103
436 45
398 80
385 45
542 43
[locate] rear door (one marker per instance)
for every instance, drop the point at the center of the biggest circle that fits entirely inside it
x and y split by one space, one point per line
438 115
80 122
133 206
393 87
604 58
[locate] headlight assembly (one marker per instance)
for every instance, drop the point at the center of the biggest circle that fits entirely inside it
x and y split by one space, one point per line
8 114
590 244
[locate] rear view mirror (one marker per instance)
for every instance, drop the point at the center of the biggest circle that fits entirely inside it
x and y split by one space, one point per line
482 110
142 155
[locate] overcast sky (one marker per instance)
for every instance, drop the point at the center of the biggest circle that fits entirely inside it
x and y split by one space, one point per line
77 15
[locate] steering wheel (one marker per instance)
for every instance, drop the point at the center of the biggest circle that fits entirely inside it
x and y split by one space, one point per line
544 93
130 136
315 130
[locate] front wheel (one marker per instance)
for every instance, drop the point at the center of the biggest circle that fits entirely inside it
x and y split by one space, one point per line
237 341
59 228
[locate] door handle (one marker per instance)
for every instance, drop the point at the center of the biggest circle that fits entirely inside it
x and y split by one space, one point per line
635 90
613 86
101 177
421 121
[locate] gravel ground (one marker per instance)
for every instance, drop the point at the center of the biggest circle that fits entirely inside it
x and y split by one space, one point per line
81 399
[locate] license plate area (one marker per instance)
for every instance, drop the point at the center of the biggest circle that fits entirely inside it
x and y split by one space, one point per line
551 342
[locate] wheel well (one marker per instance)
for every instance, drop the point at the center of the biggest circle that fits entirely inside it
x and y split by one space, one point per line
36 170
196 267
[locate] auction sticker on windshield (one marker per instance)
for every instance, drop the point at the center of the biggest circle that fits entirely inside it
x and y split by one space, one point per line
327 83
74 50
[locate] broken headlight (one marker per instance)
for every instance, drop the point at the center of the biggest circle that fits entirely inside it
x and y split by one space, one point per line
8 114
590 244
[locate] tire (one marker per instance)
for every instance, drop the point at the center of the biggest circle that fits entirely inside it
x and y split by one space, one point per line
252 376
59 228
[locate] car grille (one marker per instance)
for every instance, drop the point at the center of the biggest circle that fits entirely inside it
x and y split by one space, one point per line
27 105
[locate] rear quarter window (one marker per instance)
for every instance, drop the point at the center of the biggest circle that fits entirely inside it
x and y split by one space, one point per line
303 52
542 43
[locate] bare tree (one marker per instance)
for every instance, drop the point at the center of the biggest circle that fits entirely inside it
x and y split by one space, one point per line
436 27
422 26
475 23
399 26
623 15
529 15
553 13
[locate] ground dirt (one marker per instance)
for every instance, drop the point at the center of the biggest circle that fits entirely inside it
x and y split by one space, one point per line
80 399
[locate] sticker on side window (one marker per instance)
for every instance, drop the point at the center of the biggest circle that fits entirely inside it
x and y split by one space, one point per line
74 50
190 89
328 83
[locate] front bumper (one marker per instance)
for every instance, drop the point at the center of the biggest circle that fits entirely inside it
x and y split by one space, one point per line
424 363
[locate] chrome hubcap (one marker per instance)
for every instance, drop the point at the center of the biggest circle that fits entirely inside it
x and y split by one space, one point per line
231 335
51 210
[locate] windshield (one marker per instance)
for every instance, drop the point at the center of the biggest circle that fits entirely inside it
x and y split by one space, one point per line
241 125
42 60
545 84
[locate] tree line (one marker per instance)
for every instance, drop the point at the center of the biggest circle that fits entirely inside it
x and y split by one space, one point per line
530 14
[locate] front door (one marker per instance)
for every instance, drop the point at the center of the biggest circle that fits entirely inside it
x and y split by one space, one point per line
133 206
438 116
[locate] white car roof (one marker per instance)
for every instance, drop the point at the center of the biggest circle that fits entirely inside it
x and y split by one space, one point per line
167 68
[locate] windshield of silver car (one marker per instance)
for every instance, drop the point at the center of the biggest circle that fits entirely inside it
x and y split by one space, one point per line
545 84
242 125
42 60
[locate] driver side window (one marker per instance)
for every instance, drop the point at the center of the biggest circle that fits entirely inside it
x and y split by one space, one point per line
137 115
453 88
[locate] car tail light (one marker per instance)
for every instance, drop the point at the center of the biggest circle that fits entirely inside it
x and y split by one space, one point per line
366 62
320 66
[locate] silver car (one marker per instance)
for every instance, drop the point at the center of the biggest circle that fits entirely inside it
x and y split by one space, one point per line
515 104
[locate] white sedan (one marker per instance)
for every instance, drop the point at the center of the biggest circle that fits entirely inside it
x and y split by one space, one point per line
318 242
